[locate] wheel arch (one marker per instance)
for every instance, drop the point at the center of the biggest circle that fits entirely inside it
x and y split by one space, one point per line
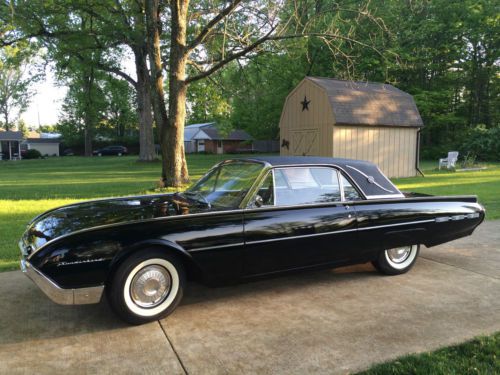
193 271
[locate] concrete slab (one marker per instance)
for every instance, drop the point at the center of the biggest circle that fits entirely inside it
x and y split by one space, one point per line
38 336
319 322
331 322
479 253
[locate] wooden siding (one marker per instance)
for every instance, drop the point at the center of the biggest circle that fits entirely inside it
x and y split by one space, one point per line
392 149
314 132
308 132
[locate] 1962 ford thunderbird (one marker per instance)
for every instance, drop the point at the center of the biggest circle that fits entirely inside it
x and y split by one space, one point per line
243 219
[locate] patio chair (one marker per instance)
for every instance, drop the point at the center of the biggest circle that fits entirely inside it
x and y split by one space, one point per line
450 161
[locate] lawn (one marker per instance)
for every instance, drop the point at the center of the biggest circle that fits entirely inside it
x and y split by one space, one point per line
478 356
29 187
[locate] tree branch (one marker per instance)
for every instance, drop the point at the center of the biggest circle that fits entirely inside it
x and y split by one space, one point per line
230 58
212 23
269 37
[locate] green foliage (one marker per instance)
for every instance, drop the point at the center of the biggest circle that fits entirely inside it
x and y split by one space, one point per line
17 74
483 142
32 154
478 356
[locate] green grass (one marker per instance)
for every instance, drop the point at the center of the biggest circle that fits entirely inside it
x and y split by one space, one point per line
29 187
485 184
479 356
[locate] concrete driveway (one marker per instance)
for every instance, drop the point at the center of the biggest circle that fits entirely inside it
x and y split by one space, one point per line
318 322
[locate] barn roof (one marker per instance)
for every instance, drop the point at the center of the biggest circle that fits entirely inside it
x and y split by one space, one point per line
369 103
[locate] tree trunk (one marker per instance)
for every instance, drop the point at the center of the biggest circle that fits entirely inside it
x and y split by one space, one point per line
146 139
6 118
89 111
174 168
175 163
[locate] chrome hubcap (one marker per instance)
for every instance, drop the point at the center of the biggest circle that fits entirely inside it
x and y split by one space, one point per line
150 286
399 254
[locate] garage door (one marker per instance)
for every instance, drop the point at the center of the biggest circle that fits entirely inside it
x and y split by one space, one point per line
305 142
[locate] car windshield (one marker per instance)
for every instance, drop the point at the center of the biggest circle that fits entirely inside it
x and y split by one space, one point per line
226 185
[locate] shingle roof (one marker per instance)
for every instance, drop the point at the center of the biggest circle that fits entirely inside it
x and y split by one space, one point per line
11 136
43 140
368 103
213 133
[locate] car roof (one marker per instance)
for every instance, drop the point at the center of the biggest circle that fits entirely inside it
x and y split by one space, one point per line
367 175
280 161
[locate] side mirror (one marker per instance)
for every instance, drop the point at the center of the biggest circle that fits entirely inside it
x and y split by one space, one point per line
258 201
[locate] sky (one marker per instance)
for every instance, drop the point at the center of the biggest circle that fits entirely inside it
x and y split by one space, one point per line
46 103
45 106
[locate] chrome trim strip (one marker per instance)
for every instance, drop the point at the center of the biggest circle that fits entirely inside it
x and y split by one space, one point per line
387 196
340 231
216 247
104 226
78 296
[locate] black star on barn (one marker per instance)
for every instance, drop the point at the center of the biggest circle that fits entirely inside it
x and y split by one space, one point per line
305 104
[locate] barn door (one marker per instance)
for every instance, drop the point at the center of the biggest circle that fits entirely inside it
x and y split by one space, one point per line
305 142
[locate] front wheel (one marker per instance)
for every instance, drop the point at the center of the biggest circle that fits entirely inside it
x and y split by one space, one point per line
147 286
397 260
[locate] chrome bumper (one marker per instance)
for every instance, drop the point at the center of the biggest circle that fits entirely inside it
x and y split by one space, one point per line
79 296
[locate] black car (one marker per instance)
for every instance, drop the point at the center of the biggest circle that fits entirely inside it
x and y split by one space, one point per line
244 219
111 150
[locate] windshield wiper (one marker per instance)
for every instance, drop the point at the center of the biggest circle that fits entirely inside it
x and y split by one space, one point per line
197 196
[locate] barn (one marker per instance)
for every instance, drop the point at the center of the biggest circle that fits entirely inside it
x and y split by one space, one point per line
358 120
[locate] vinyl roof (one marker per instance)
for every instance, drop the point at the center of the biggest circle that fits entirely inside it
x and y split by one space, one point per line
367 175
369 103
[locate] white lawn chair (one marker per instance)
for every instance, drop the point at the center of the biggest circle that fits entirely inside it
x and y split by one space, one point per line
450 161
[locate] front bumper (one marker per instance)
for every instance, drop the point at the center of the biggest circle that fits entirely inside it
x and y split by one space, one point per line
79 296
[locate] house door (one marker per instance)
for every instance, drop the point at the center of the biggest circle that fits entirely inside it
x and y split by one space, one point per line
305 142
220 149
201 146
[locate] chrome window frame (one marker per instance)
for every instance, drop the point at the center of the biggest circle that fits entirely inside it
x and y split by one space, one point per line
270 169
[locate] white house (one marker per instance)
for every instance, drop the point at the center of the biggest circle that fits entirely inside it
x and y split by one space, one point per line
207 138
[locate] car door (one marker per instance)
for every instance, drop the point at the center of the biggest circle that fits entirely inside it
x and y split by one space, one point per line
298 219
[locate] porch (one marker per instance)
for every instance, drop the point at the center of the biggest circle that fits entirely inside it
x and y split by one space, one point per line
10 145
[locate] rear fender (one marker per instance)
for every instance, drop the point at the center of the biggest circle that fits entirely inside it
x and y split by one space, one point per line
404 237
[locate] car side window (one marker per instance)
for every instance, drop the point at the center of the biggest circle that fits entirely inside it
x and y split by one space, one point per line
350 192
306 185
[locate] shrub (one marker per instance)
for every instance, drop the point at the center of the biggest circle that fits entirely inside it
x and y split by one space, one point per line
32 154
482 142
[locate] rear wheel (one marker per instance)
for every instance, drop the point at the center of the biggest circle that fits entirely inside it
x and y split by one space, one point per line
397 260
147 286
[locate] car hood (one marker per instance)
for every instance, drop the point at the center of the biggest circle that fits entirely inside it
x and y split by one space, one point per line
75 217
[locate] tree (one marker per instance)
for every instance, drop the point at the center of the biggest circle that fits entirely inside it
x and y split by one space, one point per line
208 36
15 82
115 25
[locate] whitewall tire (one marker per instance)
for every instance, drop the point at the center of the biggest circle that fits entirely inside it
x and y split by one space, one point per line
147 286
398 260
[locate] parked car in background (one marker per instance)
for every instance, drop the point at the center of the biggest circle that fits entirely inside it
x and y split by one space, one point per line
111 150
68 152
244 219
